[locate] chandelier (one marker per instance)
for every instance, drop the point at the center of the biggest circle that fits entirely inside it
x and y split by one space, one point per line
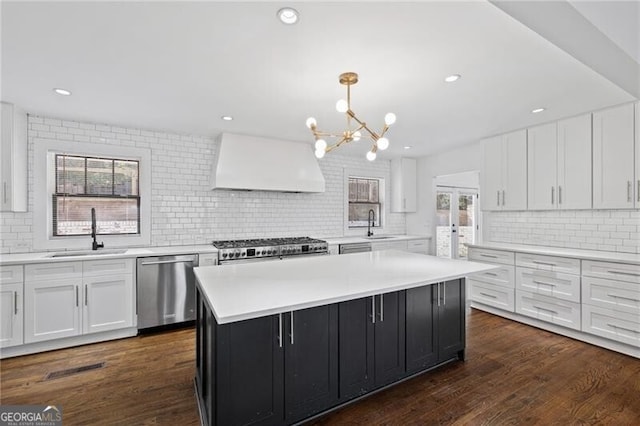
353 132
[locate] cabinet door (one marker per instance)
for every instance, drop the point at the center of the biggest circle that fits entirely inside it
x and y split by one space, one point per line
451 319
107 303
492 174
514 178
613 162
542 161
422 344
637 174
52 309
574 163
250 372
13 159
311 361
403 185
389 338
11 315
356 351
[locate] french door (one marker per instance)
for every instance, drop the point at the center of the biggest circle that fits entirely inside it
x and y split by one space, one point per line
456 221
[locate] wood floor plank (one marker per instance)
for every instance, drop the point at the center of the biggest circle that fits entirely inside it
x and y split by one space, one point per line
514 375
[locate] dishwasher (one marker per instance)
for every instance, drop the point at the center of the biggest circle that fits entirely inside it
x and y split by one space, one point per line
166 293
354 248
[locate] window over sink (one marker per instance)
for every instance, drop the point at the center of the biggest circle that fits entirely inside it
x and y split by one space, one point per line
365 195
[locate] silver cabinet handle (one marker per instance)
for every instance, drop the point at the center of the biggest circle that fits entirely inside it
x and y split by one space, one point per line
438 293
559 194
623 297
537 262
491 274
86 295
498 193
4 192
623 328
404 203
373 309
638 188
15 303
444 294
545 283
629 191
545 309
489 255
631 274
503 197
552 194
491 296
280 330
291 334
382 308
76 296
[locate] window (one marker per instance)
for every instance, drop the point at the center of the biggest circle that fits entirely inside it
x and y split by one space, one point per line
109 185
364 195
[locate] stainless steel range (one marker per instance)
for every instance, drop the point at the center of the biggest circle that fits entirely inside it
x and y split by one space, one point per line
268 248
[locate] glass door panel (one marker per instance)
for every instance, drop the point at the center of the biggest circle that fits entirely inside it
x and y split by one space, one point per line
466 222
443 223
455 221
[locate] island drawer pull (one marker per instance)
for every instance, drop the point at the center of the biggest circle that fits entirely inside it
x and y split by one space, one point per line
538 262
280 330
491 296
623 328
623 297
545 309
438 294
545 283
631 274
382 308
291 334
444 294
373 309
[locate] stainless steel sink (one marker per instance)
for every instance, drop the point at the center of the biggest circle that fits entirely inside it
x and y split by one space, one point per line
87 253
380 237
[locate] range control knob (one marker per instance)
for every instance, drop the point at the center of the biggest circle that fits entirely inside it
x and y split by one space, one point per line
224 255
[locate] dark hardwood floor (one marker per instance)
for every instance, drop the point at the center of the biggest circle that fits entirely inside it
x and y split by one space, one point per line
514 374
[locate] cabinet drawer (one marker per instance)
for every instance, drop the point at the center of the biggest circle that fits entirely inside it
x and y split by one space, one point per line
554 284
548 263
395 245
617 271
207 259
93 268
418 246
50 271
611 294
545 308
491 256
619 326
502 276
492 295
11 274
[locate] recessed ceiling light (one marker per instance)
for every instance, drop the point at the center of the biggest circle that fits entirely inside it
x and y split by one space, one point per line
288 15
407 147
227 117
63 92
537 110
452 78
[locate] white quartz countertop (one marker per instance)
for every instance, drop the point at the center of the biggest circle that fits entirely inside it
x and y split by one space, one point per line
41 257
252 290
607 256
381 238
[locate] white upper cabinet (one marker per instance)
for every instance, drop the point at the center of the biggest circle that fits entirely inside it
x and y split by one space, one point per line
505 172
403 185
559 165
613 158
13 156
637 175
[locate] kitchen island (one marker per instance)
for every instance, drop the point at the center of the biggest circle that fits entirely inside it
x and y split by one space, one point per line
282 341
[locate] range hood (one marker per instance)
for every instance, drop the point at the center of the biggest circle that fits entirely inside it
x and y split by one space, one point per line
253 163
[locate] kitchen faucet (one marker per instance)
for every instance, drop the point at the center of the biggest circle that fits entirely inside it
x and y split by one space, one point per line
96 245
370 220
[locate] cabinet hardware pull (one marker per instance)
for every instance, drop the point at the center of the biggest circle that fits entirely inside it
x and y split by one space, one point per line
15 303
4 192
291 335
489 295
631 274
438 294
629 191
638 187
552 194
76 296
623 297
488 255
498 193
404 203
491 274
623 328
86 295
444 294
537 262
503 197
373 309
559 194
382 308
166 261
545 283
280 330
545 309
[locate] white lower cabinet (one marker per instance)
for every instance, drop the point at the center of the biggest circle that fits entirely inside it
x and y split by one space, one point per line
615 325
495 288
492 295
389 245
550 309
11 315
553 284
418 246
84 297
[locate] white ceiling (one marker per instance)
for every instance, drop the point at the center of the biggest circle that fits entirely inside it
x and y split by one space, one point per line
180 66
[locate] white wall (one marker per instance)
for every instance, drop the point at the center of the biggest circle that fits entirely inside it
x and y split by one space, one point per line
185 211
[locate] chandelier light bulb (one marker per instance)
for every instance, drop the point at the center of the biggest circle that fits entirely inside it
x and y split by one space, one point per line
389 119
383 143
342 106
371 155
321 145
356 136
311 122
319 153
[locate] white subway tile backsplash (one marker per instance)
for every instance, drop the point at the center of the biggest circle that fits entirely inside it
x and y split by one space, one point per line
608 230
184 210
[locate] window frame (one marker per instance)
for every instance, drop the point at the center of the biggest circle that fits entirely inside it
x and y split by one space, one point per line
43 186
368 201
365 172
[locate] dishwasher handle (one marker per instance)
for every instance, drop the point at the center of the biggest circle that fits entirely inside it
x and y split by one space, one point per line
159 262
